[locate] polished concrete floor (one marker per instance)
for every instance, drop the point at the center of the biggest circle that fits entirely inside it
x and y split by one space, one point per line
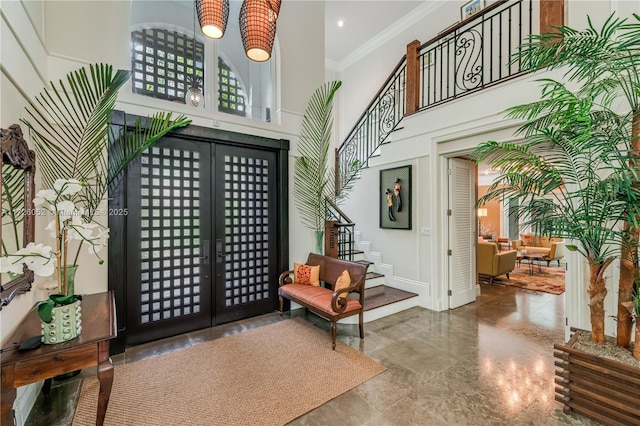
486 363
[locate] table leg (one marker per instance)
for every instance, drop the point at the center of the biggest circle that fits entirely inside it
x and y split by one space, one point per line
105 376
7 397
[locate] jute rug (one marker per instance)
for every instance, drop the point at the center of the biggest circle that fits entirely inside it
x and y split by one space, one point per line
266 376
548 279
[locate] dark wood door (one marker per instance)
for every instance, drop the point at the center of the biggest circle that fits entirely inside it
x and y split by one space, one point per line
168 243
201 237
245 255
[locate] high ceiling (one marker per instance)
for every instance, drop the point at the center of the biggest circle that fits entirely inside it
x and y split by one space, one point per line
363 19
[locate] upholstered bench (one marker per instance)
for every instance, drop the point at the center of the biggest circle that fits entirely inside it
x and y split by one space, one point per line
329 301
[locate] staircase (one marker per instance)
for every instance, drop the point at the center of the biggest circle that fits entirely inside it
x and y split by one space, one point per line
380 299
472 55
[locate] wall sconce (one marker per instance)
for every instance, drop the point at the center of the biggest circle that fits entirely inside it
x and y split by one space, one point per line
213 16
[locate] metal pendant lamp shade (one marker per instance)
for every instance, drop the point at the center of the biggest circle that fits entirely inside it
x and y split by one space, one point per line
258 28
213 16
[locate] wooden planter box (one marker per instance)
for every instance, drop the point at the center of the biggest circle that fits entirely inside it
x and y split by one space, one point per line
600 388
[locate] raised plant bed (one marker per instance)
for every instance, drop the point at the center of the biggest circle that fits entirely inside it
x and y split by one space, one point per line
597 387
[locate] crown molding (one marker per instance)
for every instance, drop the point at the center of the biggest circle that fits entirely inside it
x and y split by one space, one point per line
391 31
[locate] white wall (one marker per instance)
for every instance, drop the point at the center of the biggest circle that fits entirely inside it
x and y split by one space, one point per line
427 138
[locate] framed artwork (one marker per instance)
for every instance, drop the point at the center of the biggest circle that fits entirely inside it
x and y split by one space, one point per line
395 198
470 8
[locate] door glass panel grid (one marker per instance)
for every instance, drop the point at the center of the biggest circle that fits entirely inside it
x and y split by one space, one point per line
170 234
246 236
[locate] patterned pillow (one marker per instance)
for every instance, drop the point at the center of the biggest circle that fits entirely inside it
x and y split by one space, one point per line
306 274
343 281
527 239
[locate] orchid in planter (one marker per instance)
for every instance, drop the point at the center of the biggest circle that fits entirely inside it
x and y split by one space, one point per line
68 225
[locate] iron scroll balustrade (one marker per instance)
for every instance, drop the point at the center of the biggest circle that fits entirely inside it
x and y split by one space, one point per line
475 53
472 55
381 117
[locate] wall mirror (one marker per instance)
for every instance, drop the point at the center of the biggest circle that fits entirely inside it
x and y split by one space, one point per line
18 214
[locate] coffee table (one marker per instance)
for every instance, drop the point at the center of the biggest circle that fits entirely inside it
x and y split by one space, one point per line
531 257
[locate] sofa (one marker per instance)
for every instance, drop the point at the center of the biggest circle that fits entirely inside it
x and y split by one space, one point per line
492 263
552 248
324 290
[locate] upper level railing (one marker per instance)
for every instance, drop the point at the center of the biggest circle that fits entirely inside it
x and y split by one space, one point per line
474 54
380 118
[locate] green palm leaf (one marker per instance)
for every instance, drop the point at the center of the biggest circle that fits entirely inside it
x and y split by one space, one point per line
314 180
70 125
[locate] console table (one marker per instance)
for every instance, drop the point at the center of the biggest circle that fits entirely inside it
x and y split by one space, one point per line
89 349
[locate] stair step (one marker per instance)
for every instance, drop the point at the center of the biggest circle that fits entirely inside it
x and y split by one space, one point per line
383 295
352 252
373 275
364 262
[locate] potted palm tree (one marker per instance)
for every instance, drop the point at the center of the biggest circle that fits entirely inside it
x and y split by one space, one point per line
79 158
575 175
314 179
73 139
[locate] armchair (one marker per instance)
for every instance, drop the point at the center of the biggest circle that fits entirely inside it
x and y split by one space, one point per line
491 263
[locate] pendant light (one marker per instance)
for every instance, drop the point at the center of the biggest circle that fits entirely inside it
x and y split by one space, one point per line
258 27
194 96
213 16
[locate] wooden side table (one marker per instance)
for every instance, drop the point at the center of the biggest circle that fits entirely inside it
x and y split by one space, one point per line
89 349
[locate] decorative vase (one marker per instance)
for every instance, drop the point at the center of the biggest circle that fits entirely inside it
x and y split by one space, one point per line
66 324
70 271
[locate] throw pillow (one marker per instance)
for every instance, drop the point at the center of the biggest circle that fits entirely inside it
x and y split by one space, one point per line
527 239
306 274
343 281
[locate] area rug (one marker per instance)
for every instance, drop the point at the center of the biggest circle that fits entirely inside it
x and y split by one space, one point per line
266 376
547 279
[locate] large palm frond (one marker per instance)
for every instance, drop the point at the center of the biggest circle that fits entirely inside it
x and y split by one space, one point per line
605 60
313 179
570 172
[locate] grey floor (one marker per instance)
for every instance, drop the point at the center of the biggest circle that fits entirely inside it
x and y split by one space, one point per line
486 363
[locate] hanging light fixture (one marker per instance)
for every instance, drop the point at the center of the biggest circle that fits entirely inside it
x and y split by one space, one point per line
274 5
194 96
258 27
213 16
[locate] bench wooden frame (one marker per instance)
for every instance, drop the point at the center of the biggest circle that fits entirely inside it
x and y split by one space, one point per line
330 270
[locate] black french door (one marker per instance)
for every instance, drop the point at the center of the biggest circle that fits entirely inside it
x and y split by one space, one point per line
201 240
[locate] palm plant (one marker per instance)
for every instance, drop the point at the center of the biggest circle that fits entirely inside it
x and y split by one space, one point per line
70 125
605 62
571 176
314 180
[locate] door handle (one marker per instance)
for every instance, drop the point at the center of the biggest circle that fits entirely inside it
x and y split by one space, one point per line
220 251
205 252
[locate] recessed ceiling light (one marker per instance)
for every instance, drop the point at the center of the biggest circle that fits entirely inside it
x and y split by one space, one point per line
341 23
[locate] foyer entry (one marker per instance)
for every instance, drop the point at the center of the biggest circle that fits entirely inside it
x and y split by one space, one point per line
204 236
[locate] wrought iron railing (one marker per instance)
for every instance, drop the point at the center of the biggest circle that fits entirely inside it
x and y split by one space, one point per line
339 229
380 118
474 54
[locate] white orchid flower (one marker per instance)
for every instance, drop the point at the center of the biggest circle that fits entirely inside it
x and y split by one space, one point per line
65 210
45 195
51 227
67 186
11 264
100 240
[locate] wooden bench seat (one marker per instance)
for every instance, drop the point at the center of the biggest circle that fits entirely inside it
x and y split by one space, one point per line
323 301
